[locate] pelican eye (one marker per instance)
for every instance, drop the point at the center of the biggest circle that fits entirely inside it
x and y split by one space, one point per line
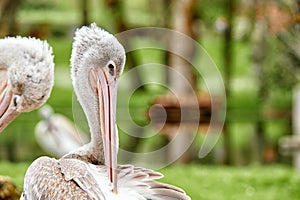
16 99
111 66
111 69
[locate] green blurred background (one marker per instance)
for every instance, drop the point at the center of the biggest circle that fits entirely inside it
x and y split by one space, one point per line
255 45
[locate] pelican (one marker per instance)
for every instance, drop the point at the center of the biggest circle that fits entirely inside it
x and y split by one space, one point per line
56 134
91 171
26 76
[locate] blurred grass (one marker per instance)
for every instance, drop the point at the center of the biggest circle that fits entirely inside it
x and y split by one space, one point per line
232 183
16 171
275 182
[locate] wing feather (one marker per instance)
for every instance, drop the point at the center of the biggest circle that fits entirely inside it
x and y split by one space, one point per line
143 181
49 179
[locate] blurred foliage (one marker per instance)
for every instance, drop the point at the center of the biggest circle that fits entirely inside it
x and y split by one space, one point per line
280 70
40 5
16 171
56 21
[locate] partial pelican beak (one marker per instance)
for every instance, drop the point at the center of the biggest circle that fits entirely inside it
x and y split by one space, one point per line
105 87
8 110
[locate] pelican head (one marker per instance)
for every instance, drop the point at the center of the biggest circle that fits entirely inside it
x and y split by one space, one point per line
26 76
97 61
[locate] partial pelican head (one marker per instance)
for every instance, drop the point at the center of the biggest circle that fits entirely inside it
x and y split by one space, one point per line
26 76
97 61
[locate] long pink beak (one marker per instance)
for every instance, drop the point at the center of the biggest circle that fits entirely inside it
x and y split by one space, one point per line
106 88
8 110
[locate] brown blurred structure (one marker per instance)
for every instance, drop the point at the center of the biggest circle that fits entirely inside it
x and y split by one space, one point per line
8 190
291 144
8 11
167 113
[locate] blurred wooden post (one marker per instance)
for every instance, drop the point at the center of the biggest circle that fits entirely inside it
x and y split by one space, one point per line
84 11
8 11
259 51
227 55
291 144
183 20
296 125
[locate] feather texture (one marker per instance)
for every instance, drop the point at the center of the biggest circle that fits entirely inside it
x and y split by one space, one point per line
67 179
30 69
